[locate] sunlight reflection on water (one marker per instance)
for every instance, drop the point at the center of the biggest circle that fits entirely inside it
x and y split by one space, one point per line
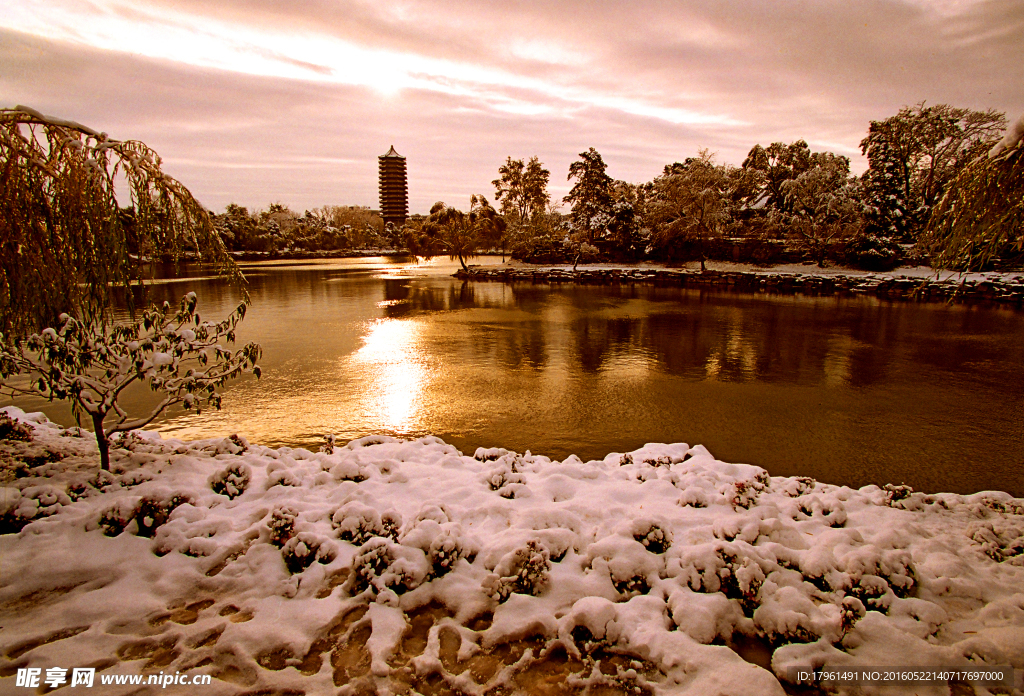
393 372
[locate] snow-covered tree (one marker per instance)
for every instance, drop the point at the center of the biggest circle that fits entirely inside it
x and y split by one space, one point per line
458 234
591 195
691 202
91 364
771 167
823 206
522 189
913 155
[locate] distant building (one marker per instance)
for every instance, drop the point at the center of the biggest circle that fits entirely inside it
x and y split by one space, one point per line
394 190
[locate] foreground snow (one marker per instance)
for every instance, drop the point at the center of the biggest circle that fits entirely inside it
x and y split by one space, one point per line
406 567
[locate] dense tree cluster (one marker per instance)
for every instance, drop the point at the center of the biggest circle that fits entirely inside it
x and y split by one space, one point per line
329 228
786 199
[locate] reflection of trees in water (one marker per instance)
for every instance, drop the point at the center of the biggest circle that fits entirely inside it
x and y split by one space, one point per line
405 296
739 338
743 339
692 334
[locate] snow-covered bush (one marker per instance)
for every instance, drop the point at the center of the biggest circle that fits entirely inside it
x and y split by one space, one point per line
381 564
632 586
741 579
153 512
798 486
731 568
231 481
19 507
894 494
102 480
134 478
279 474
1001 540
489 454
305 547
505 479
745 494
654 538
80 489
282 526
358 523
444 551
11 429
148 514
349 470
328 446
830 511
232 444
115 518
694 497
746 491
523 571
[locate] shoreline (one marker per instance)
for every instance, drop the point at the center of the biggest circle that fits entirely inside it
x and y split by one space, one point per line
1007 290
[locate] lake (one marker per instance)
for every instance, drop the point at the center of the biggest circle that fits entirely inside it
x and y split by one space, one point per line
847 390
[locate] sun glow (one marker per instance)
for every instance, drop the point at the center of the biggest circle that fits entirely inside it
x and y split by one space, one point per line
281 52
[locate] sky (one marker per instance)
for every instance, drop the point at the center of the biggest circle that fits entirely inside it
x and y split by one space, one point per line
263 101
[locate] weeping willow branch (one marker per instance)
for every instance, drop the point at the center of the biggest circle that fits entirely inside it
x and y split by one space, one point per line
981 215
66 245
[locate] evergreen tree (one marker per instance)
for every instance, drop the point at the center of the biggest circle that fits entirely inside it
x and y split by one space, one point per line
591 195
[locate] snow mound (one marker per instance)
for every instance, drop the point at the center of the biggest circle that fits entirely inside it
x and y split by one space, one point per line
388 566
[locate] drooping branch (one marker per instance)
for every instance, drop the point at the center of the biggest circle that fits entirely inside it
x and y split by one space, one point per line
981 215
66 243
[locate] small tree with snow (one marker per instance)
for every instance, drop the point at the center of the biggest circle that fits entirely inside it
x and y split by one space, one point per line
92 363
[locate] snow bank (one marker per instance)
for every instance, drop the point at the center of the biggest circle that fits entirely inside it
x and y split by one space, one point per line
386 565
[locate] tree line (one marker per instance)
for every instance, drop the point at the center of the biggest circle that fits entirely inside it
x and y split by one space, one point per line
784 202
783 197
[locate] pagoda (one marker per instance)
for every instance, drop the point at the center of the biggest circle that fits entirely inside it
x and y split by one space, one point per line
394 190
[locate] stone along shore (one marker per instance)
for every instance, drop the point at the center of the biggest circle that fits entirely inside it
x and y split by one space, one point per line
1002 291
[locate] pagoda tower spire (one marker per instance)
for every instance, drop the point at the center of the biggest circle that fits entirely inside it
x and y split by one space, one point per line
394 188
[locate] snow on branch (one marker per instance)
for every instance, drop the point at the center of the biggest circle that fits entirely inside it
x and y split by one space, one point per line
91 364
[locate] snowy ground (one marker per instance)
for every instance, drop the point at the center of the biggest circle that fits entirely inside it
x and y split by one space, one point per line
395 567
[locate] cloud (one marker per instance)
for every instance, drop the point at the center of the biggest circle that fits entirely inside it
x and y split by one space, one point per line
254 101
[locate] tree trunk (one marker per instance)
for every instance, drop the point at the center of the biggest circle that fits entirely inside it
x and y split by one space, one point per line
700 250
463 262
101 441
